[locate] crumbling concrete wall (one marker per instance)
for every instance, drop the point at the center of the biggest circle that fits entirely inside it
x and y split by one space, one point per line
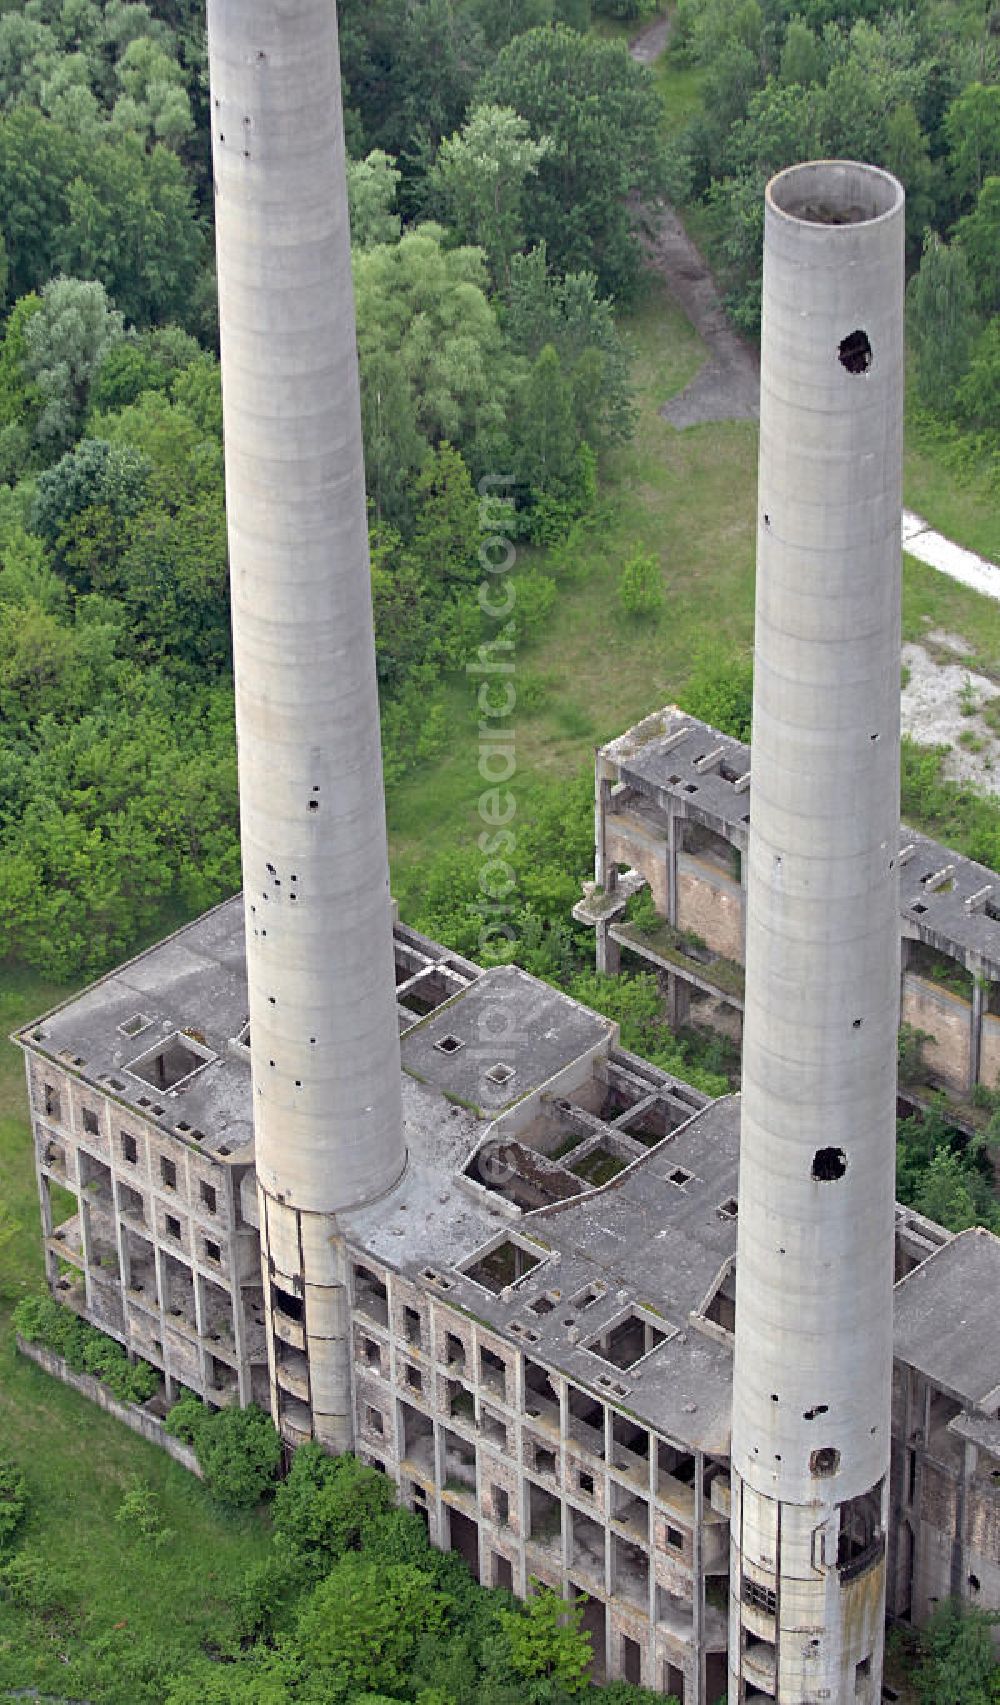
947 1019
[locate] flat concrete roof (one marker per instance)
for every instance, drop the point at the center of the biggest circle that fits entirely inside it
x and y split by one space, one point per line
673 755
501 1038
194 981
946 1321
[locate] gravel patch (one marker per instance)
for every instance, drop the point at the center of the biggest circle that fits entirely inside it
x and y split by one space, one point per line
942 706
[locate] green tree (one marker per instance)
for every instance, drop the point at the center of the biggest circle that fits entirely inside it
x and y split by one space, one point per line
979 235
546 1645
64 344
13 1502
800 56
978 394
20 402
944 1194
324 1503
640 587
502 20
719 690
153 102
600 112
240 1453
130 221
580 325
96 476
371 189
401 608
941 322
972 129
39 160
960 1666
546 440
433 362
447 533
360 1628
481 175
29 53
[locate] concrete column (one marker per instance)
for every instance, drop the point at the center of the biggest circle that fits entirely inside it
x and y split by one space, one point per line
605 874
609 954
323 1027
976 1027
698 1569
813 1356
674 827
678 1001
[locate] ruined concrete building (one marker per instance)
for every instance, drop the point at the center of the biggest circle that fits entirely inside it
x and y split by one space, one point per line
672 801
298 1155
540 1313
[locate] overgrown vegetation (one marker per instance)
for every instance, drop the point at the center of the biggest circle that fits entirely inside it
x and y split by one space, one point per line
353 1603
40 1320
484 260
238 1450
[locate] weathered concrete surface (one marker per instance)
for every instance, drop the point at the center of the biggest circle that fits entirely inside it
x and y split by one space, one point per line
323 1025
812 1372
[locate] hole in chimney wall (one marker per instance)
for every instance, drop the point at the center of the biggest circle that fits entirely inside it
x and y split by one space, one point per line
829 1165
857 1023
819 1409
825 1461
855 352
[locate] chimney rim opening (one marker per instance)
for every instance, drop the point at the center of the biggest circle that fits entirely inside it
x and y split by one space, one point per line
834 194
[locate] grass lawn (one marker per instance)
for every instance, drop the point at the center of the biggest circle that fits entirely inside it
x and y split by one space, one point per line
143 1610
963 507
932 601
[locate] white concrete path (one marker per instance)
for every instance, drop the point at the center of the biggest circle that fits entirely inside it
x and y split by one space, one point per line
921 541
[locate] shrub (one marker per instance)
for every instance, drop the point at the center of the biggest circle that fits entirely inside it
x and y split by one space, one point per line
187 1418
640 587
239 1452
13 1501
40 1320
139 1514
322 1507
28 1583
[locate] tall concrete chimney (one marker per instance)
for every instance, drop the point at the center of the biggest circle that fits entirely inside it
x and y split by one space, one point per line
815 1267
324 1043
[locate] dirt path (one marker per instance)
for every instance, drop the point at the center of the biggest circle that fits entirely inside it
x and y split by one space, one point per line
728 385
647 46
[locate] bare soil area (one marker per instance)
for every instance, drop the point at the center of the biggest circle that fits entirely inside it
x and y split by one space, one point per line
942 705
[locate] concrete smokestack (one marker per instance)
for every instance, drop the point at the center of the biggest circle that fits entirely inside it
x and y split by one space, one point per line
323 1030
815 1268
